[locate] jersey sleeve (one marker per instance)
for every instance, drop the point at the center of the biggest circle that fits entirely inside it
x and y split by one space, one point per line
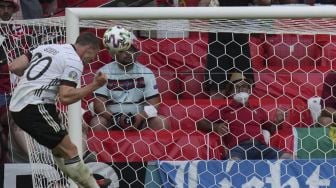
72 73
151 85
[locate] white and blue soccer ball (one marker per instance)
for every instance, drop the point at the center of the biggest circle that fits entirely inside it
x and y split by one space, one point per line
117 38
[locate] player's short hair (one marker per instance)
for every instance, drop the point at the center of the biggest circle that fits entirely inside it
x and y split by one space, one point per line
88 38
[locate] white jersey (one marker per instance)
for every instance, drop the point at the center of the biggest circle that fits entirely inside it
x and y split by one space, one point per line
127 91
49 66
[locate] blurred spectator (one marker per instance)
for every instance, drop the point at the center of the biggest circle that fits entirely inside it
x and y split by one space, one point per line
7 9
35 9
319 141
49 7
328 114
241 125
31 9
227 51
130 98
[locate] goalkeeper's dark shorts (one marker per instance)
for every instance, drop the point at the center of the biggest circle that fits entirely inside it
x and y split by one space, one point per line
42 123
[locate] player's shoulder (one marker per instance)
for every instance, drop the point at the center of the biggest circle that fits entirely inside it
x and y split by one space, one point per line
109 66
69 54
58 49
142 68
55 46
67 49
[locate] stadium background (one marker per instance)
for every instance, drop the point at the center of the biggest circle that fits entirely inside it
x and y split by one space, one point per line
289 58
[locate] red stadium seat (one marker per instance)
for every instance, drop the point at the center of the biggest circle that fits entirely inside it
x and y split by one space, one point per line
289 52
147 145
283 141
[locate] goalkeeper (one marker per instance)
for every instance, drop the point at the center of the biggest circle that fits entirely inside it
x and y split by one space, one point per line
130 98
48 72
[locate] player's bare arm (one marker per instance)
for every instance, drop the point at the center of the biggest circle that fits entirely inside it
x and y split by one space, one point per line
19 65
69 95
100 108
155 101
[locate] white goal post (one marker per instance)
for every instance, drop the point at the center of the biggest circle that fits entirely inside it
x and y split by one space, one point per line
264 15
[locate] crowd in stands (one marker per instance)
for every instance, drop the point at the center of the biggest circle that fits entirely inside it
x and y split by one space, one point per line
117 110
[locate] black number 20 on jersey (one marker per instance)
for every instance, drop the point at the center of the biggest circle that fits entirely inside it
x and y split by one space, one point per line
36 60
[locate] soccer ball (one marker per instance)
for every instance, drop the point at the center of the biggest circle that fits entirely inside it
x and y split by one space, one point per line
117 39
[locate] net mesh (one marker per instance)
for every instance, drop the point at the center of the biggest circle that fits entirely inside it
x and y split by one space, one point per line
270 26
288 60
45 172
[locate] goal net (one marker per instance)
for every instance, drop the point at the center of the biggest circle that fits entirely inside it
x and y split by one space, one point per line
285 53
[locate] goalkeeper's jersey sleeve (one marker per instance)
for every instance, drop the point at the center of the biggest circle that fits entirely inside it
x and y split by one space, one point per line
50 66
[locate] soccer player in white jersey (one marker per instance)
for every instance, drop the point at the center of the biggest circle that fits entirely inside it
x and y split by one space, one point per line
48 72
130 98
